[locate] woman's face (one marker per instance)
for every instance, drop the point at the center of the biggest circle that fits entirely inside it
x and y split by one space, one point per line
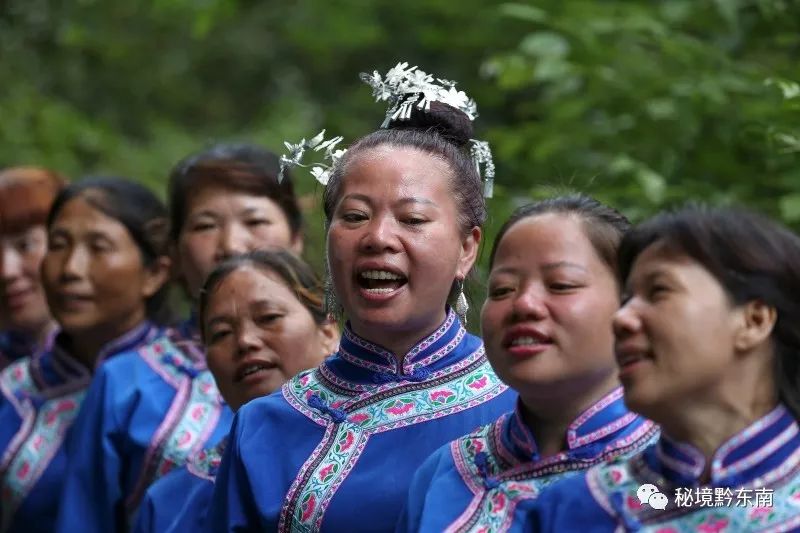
547 321
93 275
221 223
394 243
258 335
23 306
674 333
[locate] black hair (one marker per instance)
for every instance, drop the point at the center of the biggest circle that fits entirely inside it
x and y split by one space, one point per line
140 211
604 225
442 131
751 256
295 272
238 167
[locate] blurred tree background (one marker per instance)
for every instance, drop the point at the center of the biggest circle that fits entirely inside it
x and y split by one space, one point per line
641 103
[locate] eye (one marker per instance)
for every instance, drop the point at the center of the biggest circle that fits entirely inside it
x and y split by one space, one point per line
101 246
56 243
202 226
657 290
255 222
354 216
498 292
218 335
563 287
267 318
414 221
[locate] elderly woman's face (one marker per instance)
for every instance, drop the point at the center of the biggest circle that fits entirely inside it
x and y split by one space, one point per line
674 333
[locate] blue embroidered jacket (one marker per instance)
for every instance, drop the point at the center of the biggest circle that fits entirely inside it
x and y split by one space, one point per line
41 396
146 412
754 486
336 448
14 346
476 482
162 512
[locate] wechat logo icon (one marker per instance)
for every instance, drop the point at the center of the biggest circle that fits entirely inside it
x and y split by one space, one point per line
648 494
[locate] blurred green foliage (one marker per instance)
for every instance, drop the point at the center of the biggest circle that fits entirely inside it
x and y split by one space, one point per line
643 104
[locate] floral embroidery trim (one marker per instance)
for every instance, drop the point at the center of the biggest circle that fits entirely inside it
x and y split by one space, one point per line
389 362
387 407
192 417
205 464
492 508
36 443
623 478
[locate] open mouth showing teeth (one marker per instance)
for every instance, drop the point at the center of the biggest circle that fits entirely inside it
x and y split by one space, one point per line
525 341
381 281
251 369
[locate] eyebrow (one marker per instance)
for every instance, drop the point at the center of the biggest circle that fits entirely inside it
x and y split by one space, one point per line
548 266
402 201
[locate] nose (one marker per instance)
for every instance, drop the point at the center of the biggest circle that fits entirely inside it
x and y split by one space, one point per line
234 240
529 304
248 339
76 264
626 320
10 263
380 236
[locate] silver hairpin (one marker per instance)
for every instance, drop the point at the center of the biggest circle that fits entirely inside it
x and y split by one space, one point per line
320 171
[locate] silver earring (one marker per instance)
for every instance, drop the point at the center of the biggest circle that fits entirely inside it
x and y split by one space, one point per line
462 305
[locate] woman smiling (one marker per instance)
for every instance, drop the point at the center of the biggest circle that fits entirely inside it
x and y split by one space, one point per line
404 210
707 345
262 322
104 274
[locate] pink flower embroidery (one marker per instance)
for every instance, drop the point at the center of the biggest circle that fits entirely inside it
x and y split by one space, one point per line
198 412
358 418
475 446
17 373
304 380
400 409
616 476
713 526
308 508
347 442
325 472
441 395
23 470
37 442
759 513
632 503
479 383
667 530
184 439
499 502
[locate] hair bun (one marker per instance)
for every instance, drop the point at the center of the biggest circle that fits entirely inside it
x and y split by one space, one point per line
449 122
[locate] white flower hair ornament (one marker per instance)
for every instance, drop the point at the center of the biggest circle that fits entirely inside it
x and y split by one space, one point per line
320 171
404 87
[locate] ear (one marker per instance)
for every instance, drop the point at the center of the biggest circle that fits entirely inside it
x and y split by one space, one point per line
329 336
469 252
757 322
155 276
298 241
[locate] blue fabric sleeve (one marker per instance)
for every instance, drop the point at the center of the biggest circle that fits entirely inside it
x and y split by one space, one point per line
232 506
411 516
92 499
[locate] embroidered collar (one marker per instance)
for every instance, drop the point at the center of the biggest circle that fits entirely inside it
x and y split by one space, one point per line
56 371
425 353
587 436
764 445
